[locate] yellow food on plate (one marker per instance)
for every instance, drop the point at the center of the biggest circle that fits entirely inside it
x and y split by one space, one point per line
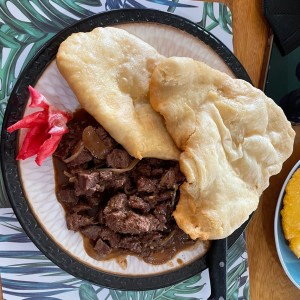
291 213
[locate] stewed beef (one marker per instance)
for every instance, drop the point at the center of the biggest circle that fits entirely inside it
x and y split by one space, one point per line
139 204
92 232
102 248
76 221
147 185
86 182
84 156
116 202
118 158
67 196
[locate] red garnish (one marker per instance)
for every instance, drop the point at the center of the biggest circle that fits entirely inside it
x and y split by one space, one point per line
45 128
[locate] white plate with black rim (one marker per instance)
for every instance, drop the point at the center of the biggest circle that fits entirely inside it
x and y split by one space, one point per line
30 189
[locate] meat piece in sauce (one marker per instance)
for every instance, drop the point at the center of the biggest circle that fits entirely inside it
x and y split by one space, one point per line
139 204
147 185
76 221
95 232
120 218
86 183
67 196
118 158
83 157
101 248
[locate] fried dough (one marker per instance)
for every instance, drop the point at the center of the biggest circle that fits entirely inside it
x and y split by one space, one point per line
109 71
232 137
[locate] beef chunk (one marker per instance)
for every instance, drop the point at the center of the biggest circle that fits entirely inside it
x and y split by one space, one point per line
87 180
115 221
143 169
130 222
136 224
105 176
67 196
151 200
139 204
156 172
110 180
119 159
109 236
81 207
86 183
65 148
99 163
119 181
131 243
76 221
163 212
94 200
107 140
92 232
84 157
166 195
105 180
116 203
75 129
152 240
101 217
161 197
147 185
120 218
155 162
102 248
93 212
142 244
168 180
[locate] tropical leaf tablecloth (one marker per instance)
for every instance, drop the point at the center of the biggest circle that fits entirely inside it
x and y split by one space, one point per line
26 273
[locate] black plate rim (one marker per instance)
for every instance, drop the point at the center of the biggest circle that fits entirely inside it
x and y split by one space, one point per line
10 170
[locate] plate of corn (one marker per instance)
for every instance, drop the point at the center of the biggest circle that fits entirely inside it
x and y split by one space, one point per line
287 225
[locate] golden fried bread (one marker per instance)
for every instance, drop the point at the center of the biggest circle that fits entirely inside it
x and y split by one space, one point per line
109 70
232 137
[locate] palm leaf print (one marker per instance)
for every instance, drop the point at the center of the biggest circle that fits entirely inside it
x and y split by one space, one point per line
237 269
37 22
87 292
210 20
181 290
23 31
38 264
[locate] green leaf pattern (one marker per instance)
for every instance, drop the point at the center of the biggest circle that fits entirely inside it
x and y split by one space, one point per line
87 292
25 26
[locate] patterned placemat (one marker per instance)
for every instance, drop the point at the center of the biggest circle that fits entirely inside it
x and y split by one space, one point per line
25 272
